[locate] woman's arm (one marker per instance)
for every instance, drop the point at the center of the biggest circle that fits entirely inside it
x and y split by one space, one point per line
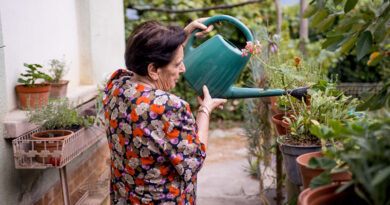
207 105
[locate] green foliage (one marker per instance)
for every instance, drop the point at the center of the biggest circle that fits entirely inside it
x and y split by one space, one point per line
58 114
32 75
57 70
366 153
321 180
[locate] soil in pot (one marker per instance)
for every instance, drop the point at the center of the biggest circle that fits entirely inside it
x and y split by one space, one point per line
308 173
327 195
290 154
32 97
58 90
51 141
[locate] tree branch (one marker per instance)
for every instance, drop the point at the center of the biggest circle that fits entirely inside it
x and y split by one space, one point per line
194 9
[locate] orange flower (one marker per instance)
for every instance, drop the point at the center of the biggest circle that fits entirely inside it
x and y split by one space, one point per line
189 139
130 170
116 92
147 160
176 161
134 200
163 170
106 115
121 140
110 145
159 109
297 60
131 154
117 173
143 99
172 175
140 88
174 191
138 132
109 85
133 116
105 100
114 123
172 135
139 181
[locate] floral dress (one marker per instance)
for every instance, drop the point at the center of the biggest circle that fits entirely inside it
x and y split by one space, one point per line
155 150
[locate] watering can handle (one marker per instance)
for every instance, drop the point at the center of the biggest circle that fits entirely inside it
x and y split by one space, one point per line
239 24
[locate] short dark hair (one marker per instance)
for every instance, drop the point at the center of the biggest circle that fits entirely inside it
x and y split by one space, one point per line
152 42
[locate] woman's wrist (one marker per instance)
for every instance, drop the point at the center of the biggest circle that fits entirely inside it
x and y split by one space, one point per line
204 109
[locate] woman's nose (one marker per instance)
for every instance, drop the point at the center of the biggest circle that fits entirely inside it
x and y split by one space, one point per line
182 68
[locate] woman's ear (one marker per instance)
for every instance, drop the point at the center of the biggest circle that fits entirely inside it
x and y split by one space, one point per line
152 71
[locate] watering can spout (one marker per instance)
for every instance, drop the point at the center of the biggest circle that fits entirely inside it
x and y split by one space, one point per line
235 92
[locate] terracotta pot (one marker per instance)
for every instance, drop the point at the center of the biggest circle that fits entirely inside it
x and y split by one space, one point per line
51 143
290 154
58 90
277 120
327 195
308 173
32 97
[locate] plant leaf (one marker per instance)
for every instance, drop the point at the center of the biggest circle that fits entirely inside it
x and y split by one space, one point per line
349 5
321 180
309 11
375 58
381 176
325 24
324 163
318 18
364 44
348 45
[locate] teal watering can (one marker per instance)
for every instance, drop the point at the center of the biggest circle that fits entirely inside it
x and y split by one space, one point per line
217 63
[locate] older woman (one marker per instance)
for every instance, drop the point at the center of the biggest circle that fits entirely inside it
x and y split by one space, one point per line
157 147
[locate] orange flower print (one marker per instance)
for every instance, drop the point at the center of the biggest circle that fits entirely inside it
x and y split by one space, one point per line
114 123
130 170
117 173
174 191
176 161
121 140
106 115
139 181
116 92
172 135
189 139
140 88
143 99
134 200
131 154
147 160
164 170
109 85
159 109
133 116
138 132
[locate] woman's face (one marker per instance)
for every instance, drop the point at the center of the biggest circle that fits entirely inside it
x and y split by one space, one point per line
169 74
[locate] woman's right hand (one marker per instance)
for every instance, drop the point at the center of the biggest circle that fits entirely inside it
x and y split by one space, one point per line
209 102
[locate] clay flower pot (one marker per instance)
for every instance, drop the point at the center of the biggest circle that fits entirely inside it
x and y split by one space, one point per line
58 90
32 97
277 120
51 143
327 195
308 173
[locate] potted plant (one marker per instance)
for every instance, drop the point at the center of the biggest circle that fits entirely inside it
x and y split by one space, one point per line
58 85
326 104
58 120
367 157
31 94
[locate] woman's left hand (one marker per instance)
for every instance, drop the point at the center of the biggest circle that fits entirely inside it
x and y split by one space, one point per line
198 24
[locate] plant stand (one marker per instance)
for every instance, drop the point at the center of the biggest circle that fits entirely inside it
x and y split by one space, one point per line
25 153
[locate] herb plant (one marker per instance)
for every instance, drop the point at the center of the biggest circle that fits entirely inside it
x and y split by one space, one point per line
32 75
57 70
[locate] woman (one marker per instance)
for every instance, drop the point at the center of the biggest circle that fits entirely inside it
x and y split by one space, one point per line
156 145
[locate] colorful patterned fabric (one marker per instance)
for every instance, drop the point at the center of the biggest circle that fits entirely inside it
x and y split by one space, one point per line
155 150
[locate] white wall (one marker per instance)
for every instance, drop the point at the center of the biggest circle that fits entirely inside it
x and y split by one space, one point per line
89 34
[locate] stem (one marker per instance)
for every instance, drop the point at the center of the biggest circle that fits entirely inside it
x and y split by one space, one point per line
323 146
288 96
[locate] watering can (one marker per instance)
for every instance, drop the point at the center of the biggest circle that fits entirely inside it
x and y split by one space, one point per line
217 63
